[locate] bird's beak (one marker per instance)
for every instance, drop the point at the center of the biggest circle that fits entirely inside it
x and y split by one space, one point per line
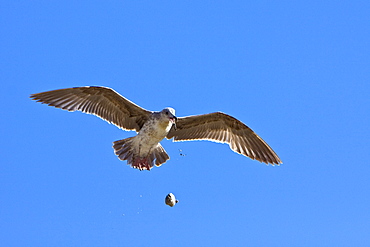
174 122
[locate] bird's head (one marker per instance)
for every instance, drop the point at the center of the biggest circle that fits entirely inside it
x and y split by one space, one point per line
170 114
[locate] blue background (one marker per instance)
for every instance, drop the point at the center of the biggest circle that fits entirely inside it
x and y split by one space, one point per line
296 72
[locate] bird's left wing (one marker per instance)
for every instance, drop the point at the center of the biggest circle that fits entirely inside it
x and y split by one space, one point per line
100 101
220 127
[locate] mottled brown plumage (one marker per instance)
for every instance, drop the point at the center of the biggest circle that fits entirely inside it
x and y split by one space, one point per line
144 150
100 101
220 127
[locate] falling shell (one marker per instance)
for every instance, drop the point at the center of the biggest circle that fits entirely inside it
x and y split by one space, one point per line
171 200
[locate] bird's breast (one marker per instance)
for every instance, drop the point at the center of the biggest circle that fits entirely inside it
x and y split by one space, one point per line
154 131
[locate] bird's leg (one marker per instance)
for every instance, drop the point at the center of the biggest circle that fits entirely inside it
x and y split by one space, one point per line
142 163
146 160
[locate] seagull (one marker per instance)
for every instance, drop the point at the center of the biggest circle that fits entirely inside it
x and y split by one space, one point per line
144 150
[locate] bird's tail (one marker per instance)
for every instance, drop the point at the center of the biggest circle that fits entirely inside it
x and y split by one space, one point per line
125 151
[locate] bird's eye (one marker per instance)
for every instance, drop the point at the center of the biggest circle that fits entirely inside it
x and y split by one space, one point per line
166 112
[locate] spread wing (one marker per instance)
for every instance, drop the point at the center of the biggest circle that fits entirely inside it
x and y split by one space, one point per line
220 127
100 101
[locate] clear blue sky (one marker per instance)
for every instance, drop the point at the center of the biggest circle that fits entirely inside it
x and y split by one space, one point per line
296 72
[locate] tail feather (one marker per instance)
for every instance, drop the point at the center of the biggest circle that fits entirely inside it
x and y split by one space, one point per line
160 155
125 151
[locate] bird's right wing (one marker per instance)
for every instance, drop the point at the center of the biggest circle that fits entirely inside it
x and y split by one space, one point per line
100 101
220 127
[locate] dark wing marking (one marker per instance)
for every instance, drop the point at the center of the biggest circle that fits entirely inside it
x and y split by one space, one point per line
220 127
100 101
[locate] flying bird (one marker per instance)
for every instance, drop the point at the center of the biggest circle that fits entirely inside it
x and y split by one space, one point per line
143 151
